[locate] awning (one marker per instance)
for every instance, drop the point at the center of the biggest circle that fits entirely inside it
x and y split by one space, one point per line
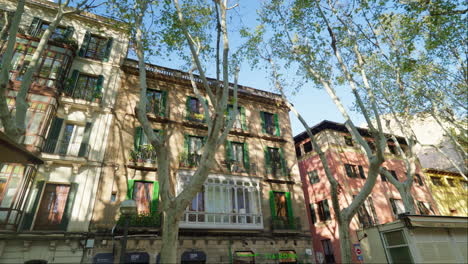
437 221
193 256
12 152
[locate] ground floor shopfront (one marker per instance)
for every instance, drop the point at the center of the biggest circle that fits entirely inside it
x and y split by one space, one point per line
206 249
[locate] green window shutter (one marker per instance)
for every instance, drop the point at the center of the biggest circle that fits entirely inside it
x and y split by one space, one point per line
162 110
229 158
161 134
246 156
69 32
186 143
243 121
138 138
155 200
29 216
100 82
70 86
267 161
361 172
68 206
130 189
326 210
289 209
84 45
36 22
108 50
52 137
284 165
85 140
262 117
272 206
277 127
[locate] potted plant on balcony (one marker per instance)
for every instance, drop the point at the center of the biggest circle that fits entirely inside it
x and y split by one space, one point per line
133 157
183 159
97 96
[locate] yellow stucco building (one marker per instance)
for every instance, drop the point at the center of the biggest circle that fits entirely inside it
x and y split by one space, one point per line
450 190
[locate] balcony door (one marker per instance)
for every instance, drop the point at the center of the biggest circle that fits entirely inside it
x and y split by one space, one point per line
52 207
71 139
281 206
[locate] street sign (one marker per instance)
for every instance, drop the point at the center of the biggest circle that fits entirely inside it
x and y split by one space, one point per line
358 251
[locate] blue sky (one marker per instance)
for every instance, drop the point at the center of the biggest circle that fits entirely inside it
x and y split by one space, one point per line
313 104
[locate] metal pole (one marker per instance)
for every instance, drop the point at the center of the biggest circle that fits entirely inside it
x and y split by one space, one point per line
123 242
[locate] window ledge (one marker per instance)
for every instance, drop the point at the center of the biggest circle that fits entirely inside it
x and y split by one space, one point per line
279 181
69 102
272 137
142 166
64 159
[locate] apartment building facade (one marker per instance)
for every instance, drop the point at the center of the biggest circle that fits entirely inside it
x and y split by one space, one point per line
46 210
450 191
349 166
251 209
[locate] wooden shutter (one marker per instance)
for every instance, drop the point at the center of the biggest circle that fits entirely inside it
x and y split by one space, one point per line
71 83
187 108
69 206
326 210
394 208
130 185
246 156
54 133
162 109
85 141
229 158
277 127
273 206
349 171
243 121
312 213
137 139
361 172
100 82
69 32
383 177
289 209
394 174
108 49
155 198
84 45
29 216
33 28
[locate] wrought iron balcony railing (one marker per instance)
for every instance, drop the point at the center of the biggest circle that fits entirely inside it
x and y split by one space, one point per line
189 160
66 148
239 220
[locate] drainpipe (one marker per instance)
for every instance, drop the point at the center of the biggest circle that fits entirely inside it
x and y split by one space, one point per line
230 251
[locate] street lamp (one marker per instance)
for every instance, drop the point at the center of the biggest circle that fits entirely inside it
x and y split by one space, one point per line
127 209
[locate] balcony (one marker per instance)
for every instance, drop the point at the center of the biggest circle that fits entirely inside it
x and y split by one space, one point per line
205 220
234 166
10 218
88 95
146 157
189 160
285 225
66 148
151 220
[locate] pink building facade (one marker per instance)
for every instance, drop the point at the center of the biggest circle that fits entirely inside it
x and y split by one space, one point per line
350 167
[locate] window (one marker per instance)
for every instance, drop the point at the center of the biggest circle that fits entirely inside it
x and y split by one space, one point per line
313 176
244 257
239 119
156 103
353 171
312 213
275 163
143 150
68 139
10 178
142 194
298 151
281 206
192 151
371 146
364 213
425 208
397 247
451 182
323 210
418 179
464 184
328 251
237 156
308 147
270 123
383 177
39 26
86 87
397 207
195 110
348 141
394 174
437 181
223 202
393 149
96 47
52 207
